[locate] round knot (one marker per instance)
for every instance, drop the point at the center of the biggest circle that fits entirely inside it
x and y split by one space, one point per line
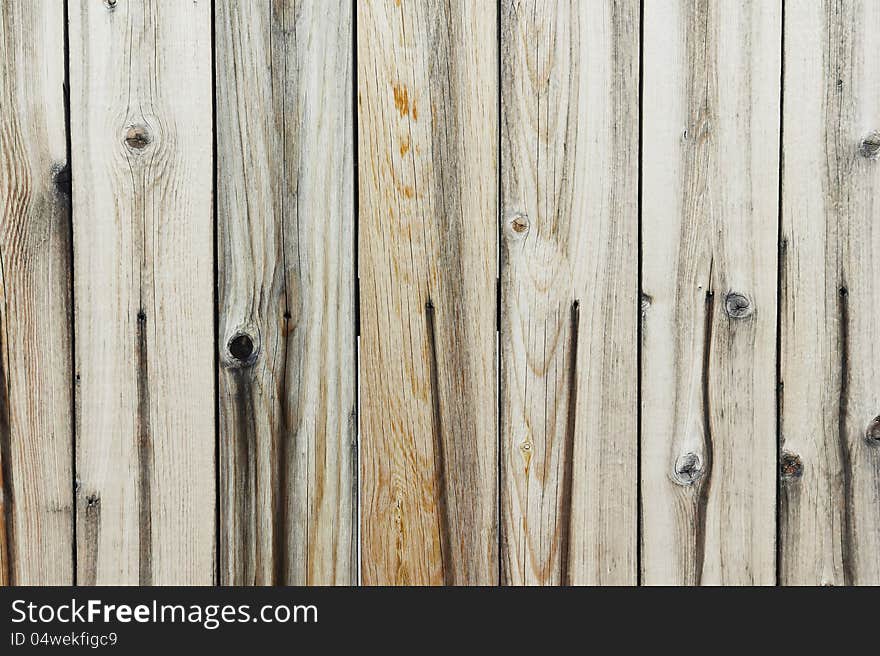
242 349
870 146
790 466
137 137
872 433
737 306
518 226
688 469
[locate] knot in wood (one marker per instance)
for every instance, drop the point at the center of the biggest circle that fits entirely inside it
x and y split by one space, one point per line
790 466
110 4
518 226
737 306
138 137
872 433
688 469
870 146
241 348
92 501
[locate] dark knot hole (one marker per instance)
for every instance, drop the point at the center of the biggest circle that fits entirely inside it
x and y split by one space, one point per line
241 347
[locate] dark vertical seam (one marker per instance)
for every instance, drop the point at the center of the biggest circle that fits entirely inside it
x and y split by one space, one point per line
705 483
280 470
568 452
439 459
216 300
71 292
5 449
355 524
846 542
145 456
280 438
780 281
640 318
242 502
142 379
499 397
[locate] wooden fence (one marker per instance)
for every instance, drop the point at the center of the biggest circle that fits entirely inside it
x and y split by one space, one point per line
439 292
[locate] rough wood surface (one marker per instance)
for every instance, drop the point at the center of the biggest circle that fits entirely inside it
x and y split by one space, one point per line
709 233
36 371
427 103
142 207
288 424
569 284
830 296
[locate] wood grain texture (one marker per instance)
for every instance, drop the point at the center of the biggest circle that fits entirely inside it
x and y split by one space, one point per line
569 284
36 370
143 286
288 423
427 103
830 295
709 236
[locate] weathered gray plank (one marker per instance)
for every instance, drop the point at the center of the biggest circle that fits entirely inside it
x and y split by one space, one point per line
569 166
427 80
143 285
830 456
36 371
286 292
709 237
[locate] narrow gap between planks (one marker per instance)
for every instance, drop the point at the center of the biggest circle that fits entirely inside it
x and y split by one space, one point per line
72 327
779 265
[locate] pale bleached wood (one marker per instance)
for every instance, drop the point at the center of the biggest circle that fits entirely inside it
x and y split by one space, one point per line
285 177
36 371
427 103
141 117
709 238
569 160
830 296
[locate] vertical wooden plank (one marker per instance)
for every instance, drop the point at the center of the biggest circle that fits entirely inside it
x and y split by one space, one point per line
830 457
709 238
36 372
427 103
143 282
285 177
569 161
